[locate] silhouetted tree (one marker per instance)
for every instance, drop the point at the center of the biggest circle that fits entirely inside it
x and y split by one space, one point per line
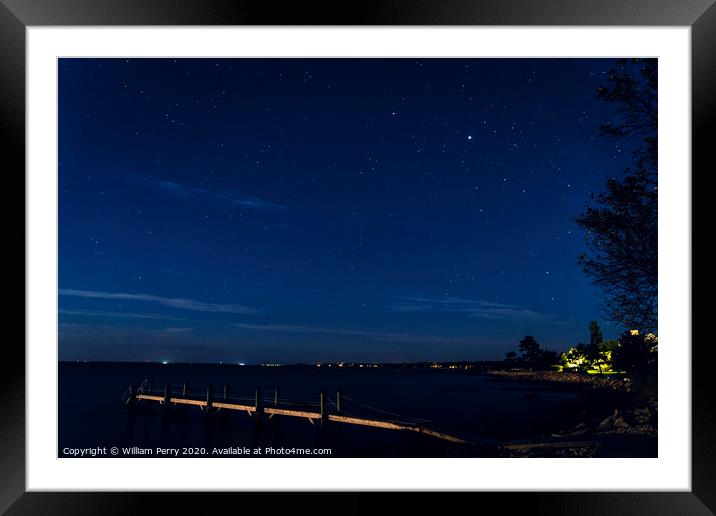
533 355
598 352
635 354
594 356
595 334
622 225
549 357
510 356
529 349
610 345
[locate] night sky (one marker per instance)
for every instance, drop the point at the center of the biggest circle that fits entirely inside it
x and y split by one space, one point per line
304 210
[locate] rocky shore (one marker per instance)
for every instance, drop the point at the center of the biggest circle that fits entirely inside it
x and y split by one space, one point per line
609 418
596 381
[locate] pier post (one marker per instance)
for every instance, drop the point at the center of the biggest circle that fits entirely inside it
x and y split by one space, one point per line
167 393
209 397
226 392
149 386
276 393
184 390
338 401
324 412
257 403
130 398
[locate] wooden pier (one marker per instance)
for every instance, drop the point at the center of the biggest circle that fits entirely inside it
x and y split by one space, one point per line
166 396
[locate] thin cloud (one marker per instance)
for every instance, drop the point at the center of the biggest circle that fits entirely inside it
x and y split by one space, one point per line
177 330
127 315
181 191
471 307
375 335
179 303
299 329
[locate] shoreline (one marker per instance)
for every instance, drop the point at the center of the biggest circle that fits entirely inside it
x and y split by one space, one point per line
612 421
589 381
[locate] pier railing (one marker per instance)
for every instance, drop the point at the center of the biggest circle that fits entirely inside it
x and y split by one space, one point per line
321 412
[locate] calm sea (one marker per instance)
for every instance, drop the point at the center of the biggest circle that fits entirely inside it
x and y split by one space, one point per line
474 407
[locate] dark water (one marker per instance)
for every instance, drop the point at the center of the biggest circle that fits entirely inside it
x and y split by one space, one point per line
474 407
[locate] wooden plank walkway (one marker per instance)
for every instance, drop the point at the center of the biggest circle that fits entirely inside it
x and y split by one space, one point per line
323 416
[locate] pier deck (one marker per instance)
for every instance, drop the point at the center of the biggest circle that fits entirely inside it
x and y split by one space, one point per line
167 397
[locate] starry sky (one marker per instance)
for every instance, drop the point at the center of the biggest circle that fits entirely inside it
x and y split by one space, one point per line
306 210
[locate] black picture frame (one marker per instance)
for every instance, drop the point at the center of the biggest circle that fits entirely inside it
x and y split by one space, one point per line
17 15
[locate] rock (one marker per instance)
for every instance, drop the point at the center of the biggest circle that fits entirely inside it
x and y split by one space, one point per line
627 385
605 425
620 424
551 449
642 415
609 423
